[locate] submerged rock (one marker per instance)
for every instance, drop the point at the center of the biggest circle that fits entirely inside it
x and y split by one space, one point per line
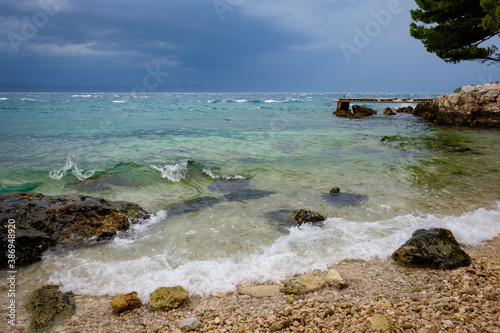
307 216
226 186
434 248
340 200
49 307
166 298
125 302
248 194
71 220
193 205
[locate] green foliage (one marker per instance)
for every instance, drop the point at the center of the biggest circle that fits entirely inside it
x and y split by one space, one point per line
459 89
454 30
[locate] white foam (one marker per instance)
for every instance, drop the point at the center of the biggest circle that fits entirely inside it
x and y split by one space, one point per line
4 99
71 167
304 250
119 101
173 172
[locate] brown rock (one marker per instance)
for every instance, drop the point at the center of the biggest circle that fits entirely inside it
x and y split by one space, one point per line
303 284
70 220
334 278
125 302
166 298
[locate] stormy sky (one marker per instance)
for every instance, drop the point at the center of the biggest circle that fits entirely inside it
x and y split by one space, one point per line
224 45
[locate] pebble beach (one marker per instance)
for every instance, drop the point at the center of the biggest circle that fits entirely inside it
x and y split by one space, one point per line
381 297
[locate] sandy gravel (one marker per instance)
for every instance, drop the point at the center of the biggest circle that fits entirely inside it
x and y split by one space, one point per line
382 296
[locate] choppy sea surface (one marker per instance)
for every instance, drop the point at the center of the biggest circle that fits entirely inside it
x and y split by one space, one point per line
219 172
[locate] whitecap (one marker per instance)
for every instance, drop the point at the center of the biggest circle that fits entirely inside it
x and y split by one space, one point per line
173 172
71 168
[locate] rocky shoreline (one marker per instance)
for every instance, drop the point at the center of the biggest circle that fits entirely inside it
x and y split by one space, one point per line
381 297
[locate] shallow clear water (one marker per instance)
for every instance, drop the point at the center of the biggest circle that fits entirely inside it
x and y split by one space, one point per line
216 221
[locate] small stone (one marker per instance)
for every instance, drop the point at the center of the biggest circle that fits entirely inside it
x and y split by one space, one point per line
276 326
381 323
406 326
125 302
336 279
190 324
335 190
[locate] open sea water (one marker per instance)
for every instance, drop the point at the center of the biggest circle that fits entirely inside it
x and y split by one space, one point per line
219 171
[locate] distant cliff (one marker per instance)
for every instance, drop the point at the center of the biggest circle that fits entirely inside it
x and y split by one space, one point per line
477 108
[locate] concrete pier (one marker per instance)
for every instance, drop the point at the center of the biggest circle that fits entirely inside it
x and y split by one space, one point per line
343 103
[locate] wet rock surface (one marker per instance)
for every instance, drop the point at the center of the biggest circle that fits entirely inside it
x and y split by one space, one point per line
68 220
50 307
434 248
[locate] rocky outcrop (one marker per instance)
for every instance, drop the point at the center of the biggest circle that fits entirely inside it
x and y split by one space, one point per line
389 112
358 111
405 109
167 298
125 302
434 248
42 222
471 108
49 307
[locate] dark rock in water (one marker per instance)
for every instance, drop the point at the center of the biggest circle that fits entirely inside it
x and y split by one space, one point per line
193 205
225 186
341 200
335 190
363 110
307 216
342 113
248 194
49 308
434 248
389 112
71 220
405 109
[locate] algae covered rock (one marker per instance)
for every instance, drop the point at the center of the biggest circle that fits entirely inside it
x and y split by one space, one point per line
125 302
307 216
434 248
166 298
49 307
389 112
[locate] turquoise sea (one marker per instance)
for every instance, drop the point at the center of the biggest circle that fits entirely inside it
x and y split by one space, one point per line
218 171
